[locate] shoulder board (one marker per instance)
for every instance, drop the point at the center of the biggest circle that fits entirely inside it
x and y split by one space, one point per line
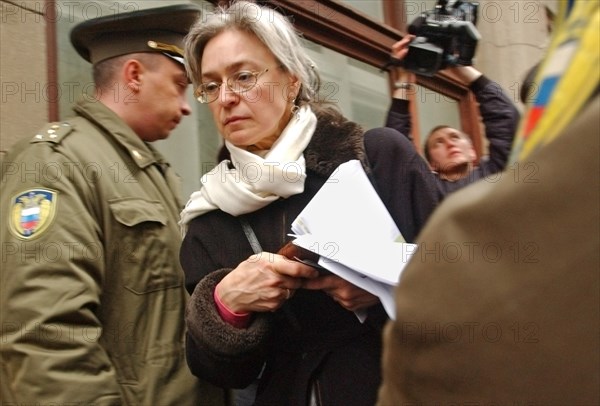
53 132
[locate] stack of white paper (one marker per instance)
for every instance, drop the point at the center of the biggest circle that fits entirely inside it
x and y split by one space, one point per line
347 224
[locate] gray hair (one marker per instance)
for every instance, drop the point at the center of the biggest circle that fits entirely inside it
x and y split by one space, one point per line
273 29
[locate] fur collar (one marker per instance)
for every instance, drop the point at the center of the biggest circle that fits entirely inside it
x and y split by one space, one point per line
335 141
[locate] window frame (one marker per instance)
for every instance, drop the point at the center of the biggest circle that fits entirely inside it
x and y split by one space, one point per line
343 29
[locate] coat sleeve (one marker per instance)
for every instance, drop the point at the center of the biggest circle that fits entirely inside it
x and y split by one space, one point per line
223 355
398 117
500 118
403 179
51 289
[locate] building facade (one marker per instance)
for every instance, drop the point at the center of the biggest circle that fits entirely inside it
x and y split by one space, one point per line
350 40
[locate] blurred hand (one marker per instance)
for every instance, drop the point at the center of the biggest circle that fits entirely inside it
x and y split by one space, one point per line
400 48
400 75
346 294
466 74
262 283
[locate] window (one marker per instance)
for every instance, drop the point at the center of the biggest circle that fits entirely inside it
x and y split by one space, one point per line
372 8
349 40
360 90
354 28
192 147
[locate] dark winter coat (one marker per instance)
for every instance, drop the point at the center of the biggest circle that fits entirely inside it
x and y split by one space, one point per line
312 339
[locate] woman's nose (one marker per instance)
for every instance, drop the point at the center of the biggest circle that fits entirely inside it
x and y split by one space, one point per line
226 95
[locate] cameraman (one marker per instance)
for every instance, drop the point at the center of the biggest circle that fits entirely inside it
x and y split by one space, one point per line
449 151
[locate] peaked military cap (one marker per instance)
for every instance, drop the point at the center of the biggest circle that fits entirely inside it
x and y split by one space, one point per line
159 29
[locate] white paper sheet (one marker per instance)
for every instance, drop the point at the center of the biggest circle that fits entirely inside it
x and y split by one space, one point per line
348 225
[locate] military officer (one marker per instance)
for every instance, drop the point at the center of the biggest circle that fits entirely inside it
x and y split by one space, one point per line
92 291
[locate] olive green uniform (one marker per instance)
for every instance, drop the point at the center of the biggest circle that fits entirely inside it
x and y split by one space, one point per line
92 291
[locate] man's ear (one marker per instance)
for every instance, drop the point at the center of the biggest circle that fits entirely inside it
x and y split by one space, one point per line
132 74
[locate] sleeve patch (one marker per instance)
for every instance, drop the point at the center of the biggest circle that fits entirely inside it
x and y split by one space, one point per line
32 212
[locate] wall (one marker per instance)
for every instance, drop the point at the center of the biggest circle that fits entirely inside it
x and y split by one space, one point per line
23 70
513 38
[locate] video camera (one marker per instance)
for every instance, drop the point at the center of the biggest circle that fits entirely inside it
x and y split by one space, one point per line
445 36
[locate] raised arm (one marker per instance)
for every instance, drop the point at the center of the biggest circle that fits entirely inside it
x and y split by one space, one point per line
398 116
499 115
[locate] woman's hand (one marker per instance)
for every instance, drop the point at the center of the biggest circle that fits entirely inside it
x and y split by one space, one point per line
262 283
346 294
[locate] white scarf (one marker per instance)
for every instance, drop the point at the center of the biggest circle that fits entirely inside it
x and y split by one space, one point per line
254 182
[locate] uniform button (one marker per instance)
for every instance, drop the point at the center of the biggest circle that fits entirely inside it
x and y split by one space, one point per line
39 136
55 127
136 154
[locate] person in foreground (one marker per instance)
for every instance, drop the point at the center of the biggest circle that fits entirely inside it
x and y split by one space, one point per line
448 150
263 315
514 320
93 296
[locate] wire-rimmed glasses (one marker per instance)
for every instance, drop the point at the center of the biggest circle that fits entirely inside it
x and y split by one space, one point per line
238 83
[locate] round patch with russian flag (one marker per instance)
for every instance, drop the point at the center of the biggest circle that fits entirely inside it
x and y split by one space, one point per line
32 212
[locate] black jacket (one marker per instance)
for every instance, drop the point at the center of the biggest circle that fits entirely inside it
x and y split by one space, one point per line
500 117
311 337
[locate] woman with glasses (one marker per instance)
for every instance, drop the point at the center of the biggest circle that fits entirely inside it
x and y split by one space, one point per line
264 317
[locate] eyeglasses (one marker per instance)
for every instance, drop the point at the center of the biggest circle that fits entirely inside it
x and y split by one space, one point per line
239 82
